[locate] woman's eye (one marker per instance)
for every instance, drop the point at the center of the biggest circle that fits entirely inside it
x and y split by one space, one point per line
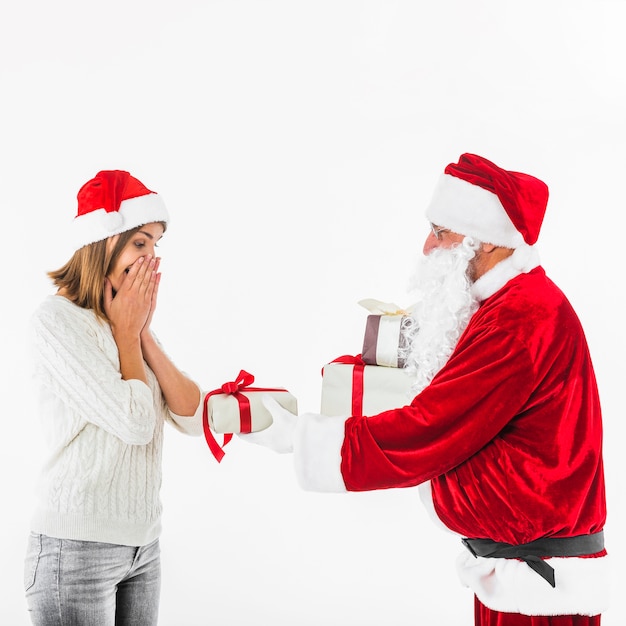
139 244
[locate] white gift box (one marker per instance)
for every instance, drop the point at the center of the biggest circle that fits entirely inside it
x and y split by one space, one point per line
238 408
384 388
225 412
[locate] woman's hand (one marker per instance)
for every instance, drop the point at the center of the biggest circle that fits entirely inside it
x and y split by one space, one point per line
131 307
145 331
128 311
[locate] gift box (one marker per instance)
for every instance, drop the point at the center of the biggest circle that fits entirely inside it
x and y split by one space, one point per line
238 408
350 387
384 341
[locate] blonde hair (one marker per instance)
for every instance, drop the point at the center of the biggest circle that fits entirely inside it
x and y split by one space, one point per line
82 277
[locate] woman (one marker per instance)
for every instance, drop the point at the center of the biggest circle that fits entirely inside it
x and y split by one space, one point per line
105 389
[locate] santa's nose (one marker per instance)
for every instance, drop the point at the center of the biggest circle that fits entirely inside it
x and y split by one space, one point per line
431 243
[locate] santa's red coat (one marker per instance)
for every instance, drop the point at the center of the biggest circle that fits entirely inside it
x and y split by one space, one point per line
509 436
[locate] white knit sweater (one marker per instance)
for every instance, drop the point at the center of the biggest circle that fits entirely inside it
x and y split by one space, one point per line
101 479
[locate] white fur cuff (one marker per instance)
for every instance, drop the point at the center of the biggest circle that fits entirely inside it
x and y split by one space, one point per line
317 452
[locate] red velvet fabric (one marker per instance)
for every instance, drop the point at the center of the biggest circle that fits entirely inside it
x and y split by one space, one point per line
486 617
523 197
107 190
509 431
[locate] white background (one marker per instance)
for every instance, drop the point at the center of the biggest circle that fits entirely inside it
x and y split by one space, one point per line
296 144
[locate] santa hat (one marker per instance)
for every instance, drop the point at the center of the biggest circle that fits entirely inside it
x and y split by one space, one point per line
112 203
476 198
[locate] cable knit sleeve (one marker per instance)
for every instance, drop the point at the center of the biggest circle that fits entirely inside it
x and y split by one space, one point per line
189 425
76 359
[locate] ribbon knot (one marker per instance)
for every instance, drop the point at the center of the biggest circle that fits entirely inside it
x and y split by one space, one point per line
377 307
243 380
230 388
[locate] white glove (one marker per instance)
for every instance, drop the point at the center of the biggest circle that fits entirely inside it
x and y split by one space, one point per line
279 436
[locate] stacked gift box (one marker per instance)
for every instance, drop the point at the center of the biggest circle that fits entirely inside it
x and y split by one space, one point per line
374 380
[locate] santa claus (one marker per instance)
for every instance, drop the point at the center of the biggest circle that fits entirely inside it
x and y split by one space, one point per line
504 434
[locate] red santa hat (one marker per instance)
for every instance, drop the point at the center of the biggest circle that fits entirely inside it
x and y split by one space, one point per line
111 203
476 198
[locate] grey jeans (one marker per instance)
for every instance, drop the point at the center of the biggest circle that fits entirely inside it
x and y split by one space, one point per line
85 583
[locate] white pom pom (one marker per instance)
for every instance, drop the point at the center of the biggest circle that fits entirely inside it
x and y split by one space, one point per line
525 258
112 221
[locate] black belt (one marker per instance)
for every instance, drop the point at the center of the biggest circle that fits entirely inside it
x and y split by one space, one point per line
532 552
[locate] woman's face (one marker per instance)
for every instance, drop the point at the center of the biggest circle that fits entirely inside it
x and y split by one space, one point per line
142 243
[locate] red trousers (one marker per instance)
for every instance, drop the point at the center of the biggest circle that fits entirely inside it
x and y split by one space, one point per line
486 617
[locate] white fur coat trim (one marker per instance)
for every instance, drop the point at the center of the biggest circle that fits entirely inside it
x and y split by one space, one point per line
317 452
510 586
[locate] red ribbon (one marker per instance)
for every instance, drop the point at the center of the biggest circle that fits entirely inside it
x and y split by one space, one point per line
357 380
243 380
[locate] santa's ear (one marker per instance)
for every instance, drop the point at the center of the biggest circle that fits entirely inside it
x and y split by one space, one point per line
494 253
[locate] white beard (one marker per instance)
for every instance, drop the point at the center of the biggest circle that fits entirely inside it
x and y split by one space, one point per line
443 307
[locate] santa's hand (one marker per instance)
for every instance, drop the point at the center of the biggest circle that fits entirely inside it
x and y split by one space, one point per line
279 436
